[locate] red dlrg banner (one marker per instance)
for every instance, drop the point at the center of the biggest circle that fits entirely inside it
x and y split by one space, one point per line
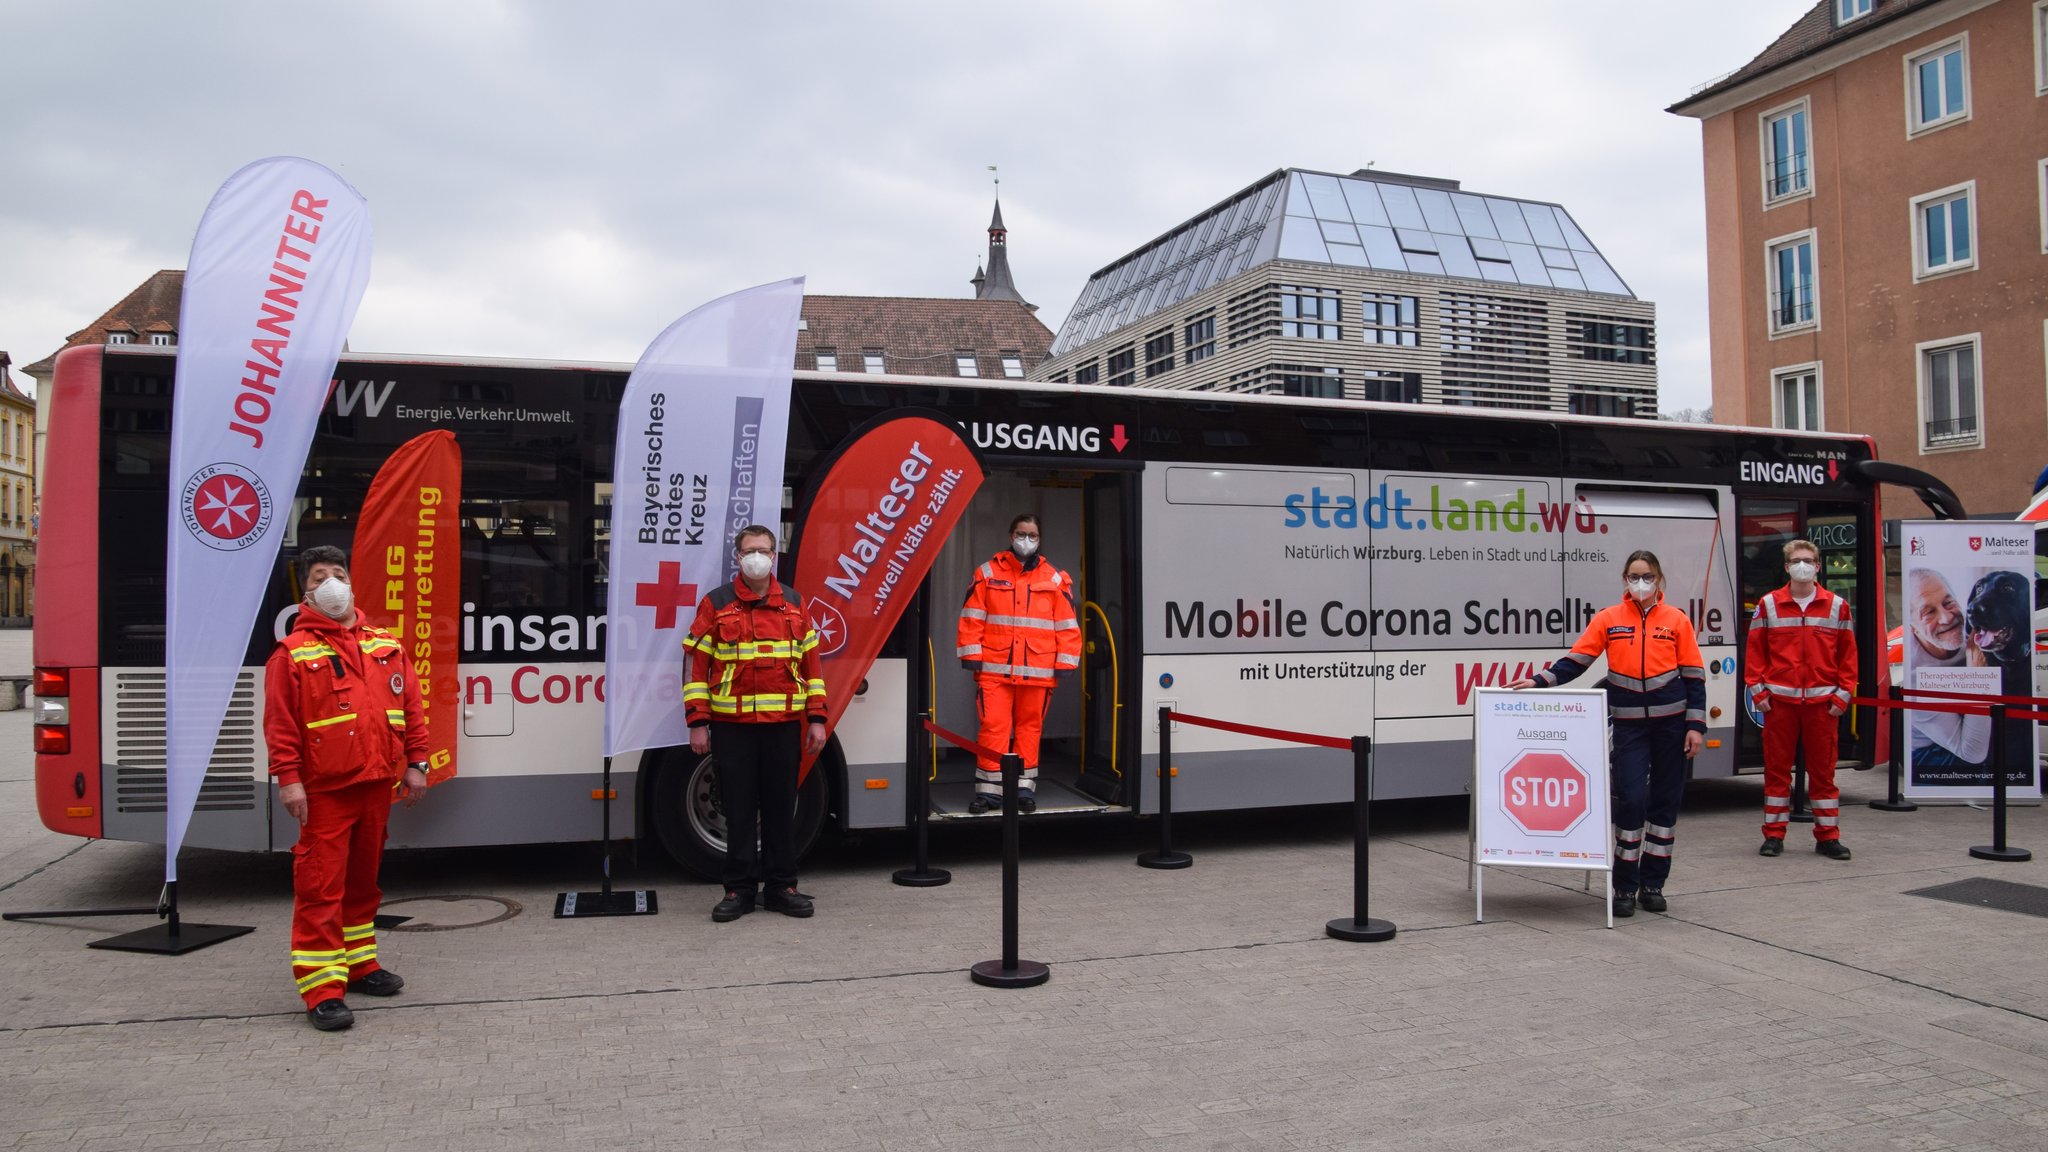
407 570
871 530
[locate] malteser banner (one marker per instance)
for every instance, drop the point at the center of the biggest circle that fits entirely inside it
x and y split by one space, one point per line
871 530
277 269
702 428
407 567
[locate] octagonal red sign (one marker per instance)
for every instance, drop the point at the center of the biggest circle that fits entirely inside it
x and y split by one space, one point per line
1544 793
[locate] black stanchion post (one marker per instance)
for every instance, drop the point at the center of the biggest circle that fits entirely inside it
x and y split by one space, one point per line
1801 814
920 874
1361 927
1165 857
1010 972
1997 849
1895 798
605 902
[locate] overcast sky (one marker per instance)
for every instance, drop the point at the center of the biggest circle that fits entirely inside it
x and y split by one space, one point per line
563 180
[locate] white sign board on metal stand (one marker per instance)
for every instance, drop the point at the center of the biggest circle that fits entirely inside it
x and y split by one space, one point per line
1539 784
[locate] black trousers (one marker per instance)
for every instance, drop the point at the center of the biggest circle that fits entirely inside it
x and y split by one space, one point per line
757 766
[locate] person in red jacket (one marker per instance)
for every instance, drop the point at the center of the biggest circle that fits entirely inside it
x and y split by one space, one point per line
1018 633
1800 669
345 725
753 682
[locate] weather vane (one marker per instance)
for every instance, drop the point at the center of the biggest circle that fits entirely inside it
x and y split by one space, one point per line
998 178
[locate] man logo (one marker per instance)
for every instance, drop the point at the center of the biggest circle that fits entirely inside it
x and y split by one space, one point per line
830 627
226 507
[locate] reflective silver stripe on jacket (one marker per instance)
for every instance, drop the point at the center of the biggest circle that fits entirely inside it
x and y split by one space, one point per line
1028 622
1024 670
966 650
973 614
1066 661
1641 683
1802 693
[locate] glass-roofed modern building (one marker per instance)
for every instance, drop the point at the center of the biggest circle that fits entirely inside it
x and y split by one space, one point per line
1374 286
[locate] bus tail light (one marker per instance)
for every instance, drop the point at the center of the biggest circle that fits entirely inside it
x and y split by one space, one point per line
52 740
53 682
53 711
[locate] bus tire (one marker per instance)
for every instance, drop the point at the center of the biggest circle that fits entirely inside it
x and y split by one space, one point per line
690 823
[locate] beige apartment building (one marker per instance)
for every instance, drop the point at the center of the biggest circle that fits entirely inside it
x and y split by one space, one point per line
1877 230
18 512
1376 286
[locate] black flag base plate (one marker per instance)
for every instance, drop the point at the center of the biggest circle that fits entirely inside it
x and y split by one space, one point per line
163 940
1894 805
921 878
1366 931
1027 974
1168 860
578 905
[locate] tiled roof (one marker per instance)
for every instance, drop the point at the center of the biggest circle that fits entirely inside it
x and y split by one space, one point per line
152 307
7 388
920 335
1814 31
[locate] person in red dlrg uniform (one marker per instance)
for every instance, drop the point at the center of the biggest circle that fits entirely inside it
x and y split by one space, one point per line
346 727
1018 633
1800 670
1657 703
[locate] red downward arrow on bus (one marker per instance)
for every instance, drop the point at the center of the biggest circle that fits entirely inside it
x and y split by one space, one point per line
1116 436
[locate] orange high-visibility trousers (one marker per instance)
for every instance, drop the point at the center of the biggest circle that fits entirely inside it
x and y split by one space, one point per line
1009 712
1787 726
334 888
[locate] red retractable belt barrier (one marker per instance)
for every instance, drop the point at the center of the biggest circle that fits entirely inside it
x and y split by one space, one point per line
2029 701
1339 743
959 741
1973 705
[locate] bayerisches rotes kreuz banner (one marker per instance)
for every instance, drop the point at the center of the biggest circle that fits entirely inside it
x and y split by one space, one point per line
871 529
278 265
702 430
407 567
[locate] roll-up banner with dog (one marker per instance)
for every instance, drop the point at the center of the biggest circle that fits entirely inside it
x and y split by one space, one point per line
1968 608
407 567
278 266
871 529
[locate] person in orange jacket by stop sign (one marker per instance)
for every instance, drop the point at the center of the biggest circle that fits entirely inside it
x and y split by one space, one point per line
1018 633
346 728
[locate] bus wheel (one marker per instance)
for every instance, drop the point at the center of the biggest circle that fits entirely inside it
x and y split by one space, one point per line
691 821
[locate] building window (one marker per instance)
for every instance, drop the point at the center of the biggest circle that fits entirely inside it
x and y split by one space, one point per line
1949 400
1392 320
1795 398
1394 387
160 339
1309 313
2041 48
1610 340
1938 86
118 337
1847 10
1599 404
872 362
963 363
1088 373
1944 231
1013 365
1200 338
1159 353
828 361
2044 195
1123 367
1786 158
1793 298
1304 380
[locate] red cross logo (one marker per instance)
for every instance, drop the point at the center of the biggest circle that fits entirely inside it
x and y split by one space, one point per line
666 595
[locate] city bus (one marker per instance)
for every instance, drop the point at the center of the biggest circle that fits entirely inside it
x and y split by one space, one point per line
1329 566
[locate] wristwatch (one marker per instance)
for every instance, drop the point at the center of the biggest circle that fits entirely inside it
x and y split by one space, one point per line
419 766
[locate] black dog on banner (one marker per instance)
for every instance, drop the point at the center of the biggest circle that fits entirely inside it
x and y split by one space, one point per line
2000 620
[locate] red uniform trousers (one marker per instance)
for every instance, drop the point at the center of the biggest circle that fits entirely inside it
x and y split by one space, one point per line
1787 726
1009 711
334 888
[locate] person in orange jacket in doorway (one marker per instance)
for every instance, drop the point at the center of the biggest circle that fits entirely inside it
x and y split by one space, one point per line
1018 633
1657 704
1800 669
346 727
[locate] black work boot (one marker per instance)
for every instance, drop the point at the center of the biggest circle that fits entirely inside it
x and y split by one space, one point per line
737 903
382 982
1027 802
1832 849
330 1015
1652 900
1624 904
789 902
1772 846
978 805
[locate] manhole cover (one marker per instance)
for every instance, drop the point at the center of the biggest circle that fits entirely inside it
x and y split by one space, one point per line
2004 895
447 913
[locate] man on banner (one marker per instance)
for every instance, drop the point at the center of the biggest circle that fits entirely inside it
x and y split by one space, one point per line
1018 632
1800 670
755 695
345 725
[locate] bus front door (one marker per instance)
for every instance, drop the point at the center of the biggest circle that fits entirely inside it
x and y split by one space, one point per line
1107 652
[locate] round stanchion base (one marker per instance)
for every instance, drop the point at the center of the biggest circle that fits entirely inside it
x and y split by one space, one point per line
2004 855
1894 806
1165 860
1363 931
1027 973
925 878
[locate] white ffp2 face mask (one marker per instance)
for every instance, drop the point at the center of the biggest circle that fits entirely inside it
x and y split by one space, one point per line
1642 589
755 566
1802 571
334 597
1024 546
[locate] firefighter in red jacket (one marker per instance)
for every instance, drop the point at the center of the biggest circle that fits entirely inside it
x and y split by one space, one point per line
1018 633
753 682
346 727
1800 669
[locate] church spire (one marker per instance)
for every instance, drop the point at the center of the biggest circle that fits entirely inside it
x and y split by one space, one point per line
997 284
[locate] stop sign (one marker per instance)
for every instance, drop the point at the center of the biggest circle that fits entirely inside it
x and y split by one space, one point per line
1544 793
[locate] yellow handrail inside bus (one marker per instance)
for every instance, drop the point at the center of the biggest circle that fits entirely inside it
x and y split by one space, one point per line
1116 688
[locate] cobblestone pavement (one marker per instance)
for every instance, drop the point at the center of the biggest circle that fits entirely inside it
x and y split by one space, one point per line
1785 1004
